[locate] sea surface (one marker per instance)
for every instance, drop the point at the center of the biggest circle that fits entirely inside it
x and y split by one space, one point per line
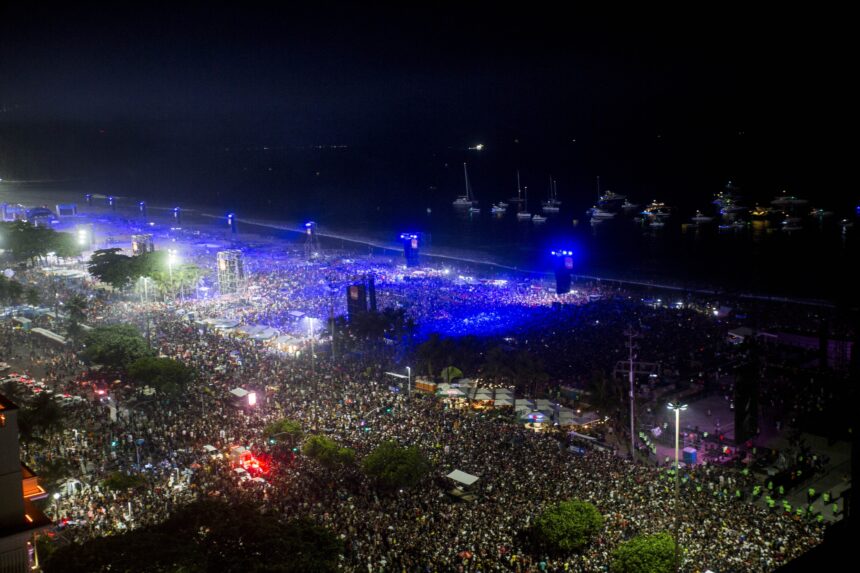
815 263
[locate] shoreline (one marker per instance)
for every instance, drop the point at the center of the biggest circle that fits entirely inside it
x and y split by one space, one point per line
51 196
465 259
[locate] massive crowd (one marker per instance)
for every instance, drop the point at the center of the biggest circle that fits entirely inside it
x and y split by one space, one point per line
420 529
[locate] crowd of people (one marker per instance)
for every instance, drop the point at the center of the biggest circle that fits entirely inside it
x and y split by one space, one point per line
422 529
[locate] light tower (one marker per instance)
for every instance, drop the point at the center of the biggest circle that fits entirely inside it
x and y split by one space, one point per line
563 267
231 271
312 244
410 248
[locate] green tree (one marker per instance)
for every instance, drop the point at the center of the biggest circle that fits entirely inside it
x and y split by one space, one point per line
112 267
568 526
43 413
283 430
26 241
645 554
450 373
115 346
14 292
327 452
64 245
76 308
119 481
32 296
166 375
393 466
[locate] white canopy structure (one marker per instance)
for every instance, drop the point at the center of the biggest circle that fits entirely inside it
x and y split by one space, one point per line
222 323
503 402
49 335
462 477
239 392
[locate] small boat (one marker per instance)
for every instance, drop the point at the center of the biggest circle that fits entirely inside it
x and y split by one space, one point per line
523 214
792 224
598 213
502 205
552 204
628 206
788 201
538 219
468 199
701 218
658 224
474 209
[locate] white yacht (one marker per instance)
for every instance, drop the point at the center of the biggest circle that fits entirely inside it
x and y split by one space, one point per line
468 199
701 218
523 214
600 214
552 204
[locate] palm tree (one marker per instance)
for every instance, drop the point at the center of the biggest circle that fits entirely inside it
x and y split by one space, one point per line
76 308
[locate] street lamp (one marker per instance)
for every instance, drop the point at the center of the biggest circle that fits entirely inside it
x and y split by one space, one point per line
311 336
172 259
409 380
677 407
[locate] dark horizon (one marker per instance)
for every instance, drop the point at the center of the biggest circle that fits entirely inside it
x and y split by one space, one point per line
182 100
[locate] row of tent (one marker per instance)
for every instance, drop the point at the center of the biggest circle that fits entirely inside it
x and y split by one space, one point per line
258 332
530 411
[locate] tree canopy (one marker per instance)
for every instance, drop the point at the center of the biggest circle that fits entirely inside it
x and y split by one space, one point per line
166 375
115 346
208 536
283 430
11 291
393 466
328 452
27 241
568 526
645 554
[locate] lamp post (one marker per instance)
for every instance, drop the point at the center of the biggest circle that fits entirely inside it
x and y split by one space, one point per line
677 407
409 379
311 334
172 259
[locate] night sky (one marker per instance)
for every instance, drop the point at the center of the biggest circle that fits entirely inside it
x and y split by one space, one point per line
152 96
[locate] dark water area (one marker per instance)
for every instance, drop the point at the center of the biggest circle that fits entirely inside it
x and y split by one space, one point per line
363 193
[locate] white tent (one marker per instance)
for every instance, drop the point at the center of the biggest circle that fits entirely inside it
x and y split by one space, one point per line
264 333
462 477
524 403
503 402
453 393
543 405
239 392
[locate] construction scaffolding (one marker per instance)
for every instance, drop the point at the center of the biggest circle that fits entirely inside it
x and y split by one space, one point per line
231 271
141 244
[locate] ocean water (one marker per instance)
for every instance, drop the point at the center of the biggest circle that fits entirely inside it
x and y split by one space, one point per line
816 262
